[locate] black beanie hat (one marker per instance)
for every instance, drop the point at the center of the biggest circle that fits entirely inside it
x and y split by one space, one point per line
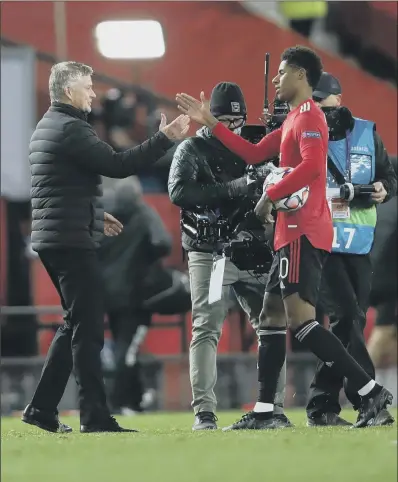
227 99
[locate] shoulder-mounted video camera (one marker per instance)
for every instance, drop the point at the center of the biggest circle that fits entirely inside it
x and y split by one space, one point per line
280 109
278 116
270 120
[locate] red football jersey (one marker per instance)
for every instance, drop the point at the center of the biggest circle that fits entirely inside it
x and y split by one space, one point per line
302 143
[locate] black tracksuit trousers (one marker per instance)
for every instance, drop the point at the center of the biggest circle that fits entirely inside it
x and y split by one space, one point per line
77 344
344 297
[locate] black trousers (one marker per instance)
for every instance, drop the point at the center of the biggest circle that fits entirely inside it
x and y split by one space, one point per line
346 283
128 386
77 344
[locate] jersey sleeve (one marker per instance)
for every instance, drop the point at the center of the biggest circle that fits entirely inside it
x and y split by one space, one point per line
267 148
311 134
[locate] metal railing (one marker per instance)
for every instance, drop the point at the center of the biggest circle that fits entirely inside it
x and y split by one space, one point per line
56 310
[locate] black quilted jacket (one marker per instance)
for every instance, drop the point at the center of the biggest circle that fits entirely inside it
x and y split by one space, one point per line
67 160
200 176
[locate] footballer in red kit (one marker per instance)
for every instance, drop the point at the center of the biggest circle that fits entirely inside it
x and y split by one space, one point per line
303 239
302 142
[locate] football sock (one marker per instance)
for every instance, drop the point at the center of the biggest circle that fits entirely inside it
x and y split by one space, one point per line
279 401
327 347
271 357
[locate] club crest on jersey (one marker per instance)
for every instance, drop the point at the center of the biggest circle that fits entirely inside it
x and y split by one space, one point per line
235 106
311 135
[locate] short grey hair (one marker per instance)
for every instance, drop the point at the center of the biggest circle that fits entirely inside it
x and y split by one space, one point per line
62 75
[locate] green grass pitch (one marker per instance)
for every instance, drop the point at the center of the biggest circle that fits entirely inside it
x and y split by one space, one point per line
166 450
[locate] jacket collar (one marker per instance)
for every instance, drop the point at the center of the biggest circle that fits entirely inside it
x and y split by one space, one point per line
206 134
68 109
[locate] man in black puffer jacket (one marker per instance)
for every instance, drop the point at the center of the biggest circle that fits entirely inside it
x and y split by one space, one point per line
204 173
67 160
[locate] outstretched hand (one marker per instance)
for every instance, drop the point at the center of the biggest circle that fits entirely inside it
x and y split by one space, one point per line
197 110
177 129
112 227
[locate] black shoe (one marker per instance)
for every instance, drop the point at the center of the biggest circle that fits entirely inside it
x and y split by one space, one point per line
328 419
205 421
281 421
383 418
45 420
372 407
252 421
106 425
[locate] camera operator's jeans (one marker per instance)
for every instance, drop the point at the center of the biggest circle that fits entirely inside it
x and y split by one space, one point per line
207 321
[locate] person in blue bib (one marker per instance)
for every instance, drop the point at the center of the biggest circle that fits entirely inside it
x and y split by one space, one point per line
360 176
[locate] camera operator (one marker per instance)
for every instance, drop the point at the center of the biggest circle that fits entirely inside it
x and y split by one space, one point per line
360 176
206 175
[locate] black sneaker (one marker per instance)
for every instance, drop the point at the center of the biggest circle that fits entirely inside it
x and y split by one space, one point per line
252 421
281 421
106 425
372 407
205 421
45 420
328 419
383 418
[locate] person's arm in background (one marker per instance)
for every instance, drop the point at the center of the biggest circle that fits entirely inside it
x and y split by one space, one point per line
83 146
384 169
267 148
185 190
312 138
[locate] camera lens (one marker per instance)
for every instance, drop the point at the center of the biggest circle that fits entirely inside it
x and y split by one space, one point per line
347 192
344 192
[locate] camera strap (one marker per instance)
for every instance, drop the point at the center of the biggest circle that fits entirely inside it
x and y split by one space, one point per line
334 171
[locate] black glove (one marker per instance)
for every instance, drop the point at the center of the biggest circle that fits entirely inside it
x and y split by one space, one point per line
239 187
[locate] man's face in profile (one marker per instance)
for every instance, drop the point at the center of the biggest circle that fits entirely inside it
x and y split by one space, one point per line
80 93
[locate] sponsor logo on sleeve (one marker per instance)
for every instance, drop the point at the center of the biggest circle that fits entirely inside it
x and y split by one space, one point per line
311 135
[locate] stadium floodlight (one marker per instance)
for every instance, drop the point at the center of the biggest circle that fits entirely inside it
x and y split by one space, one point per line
130 39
